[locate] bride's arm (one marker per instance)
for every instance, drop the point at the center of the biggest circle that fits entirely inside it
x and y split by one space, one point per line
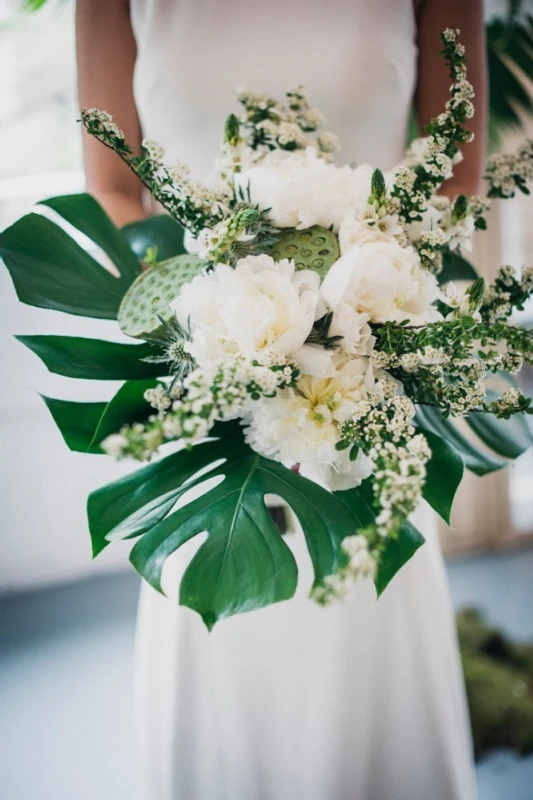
106 53
433 83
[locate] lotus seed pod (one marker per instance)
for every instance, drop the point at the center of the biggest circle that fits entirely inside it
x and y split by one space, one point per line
150 295
314 248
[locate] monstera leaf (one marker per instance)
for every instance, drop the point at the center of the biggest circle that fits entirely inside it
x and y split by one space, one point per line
51 270
85 425
244 563
476 459
93 359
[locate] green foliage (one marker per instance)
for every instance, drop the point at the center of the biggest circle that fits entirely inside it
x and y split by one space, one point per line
93 359
85 425
50 270
499 686
506 437
477 460
160 233
315 248
396 552
455 268
147 300
244 563
444 474
510 64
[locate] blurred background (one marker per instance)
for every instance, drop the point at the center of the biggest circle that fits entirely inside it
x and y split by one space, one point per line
66 623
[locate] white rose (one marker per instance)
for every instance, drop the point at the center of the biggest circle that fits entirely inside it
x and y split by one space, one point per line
303 426
301 189
258 305
378 282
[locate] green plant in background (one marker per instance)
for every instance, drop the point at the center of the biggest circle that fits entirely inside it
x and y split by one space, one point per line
510 64
499 685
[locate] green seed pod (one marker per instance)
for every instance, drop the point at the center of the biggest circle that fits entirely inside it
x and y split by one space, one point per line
314 248
149 296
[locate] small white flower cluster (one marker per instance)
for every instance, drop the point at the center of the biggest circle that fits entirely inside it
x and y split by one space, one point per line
270 124
434 366
430 160
510 290
399 456
440 226
158 398
175 180
104 119
190 202
218 244
361 563
506 172
189 411
510 402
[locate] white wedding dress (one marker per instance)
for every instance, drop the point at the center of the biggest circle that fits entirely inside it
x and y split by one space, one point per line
358 701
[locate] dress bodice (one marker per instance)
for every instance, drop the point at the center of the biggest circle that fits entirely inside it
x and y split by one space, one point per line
356 58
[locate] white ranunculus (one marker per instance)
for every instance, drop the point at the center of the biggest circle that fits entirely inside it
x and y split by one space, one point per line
302 426
258 305
378 282
301 189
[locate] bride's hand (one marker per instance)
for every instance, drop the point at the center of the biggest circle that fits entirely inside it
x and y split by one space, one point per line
295 468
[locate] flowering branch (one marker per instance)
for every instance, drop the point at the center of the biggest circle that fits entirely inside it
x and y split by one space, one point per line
189 202
188 411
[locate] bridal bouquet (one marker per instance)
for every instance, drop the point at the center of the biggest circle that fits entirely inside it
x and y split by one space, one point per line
312 321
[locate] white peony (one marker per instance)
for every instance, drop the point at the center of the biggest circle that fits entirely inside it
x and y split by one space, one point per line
377 282
301 426
260 304
301 189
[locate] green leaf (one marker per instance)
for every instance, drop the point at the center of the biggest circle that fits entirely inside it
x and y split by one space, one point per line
244 563
135 503
475 460
455 268
76 421
95 359
51 270
397 552
85 425
444 474
161 232
84 213
507 437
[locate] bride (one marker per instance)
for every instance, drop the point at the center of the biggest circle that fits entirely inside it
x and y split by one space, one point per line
358 701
